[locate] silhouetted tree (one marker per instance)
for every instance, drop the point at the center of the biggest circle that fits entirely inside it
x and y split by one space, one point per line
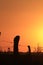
16 41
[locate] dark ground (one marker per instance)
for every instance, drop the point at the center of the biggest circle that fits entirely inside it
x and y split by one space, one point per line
20 59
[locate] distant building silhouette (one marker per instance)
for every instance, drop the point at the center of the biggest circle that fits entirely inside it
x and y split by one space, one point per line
29 49
16 41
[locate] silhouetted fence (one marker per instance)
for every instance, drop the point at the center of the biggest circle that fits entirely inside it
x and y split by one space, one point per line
4 46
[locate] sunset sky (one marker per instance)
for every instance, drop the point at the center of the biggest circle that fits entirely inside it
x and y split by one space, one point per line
24 18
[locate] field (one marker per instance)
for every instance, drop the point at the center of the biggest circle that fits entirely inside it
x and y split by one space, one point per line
21 58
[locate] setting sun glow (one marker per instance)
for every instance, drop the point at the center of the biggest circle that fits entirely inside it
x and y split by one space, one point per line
24 18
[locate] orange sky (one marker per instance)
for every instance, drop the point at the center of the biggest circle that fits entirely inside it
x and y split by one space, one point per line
23 17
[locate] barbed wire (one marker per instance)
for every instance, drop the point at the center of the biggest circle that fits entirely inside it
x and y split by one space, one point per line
6 41
23 45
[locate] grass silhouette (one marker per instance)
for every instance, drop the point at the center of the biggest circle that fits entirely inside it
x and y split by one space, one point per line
19 58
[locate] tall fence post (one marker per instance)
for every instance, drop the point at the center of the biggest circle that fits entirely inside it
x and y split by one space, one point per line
16 41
